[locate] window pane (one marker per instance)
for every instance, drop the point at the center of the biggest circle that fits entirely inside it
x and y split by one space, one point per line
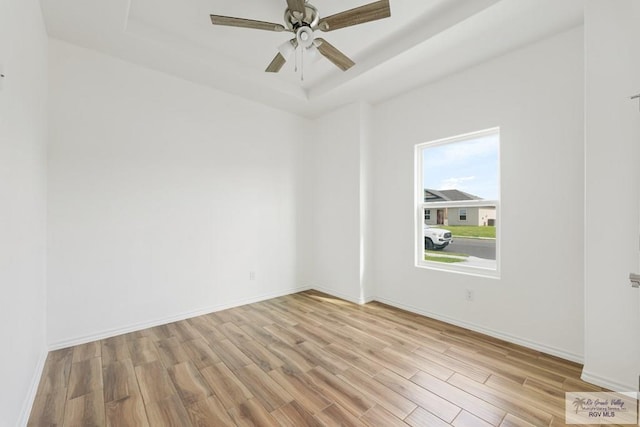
460 187
461 170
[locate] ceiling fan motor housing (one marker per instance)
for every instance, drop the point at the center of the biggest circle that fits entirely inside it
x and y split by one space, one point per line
294 20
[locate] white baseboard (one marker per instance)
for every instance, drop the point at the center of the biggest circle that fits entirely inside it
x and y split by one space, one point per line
350 298
33 389
490 332
592 378
169 319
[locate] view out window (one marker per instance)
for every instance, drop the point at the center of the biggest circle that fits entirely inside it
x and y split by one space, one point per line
458 202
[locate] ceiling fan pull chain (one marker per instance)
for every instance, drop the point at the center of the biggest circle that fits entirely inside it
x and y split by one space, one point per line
301 64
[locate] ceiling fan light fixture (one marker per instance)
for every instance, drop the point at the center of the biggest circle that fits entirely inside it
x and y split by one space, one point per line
287 49
313 54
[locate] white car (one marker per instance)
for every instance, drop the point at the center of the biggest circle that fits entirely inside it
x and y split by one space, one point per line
436 238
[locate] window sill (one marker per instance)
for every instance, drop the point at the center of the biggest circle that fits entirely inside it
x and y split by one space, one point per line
488 273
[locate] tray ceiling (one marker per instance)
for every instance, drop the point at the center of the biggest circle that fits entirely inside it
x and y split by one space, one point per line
422 41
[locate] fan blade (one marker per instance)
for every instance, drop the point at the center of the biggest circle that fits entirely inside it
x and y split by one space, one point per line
358 15
245 23
276 64
297 6
329 51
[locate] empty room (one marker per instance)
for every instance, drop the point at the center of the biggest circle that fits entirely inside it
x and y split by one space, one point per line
317 213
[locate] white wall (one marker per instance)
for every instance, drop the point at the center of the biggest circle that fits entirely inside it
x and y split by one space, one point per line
535 96
163 197
612 324
23 44
340 246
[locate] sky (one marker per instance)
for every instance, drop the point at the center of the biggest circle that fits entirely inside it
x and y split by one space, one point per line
470 166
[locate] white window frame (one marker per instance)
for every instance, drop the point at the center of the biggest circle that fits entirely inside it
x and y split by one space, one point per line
460 209
420 206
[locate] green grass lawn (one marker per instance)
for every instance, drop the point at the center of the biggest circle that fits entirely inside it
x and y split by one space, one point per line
438 256
440 253
470 231
445 259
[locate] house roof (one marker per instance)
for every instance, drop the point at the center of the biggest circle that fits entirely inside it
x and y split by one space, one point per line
447 195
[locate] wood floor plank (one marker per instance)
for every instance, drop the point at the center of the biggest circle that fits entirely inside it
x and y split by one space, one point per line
171 351
261 356
299 385
396 404
234 333
334 415
425 365
506 401
391 362
258 333
428 400
85 377
119 380
252 414
513 421
291 356
231 355
469 370
422 418
341 392
314 333
183 331
287 336
168 412
86 410
380 417
115 349
188 382
142 351
270 394
154 382
460 398
314 354
126 412
553 405
55 375
87 351
294 415
48 409
465 419
160 332
304 359
209 412
226 386
200 353
356 360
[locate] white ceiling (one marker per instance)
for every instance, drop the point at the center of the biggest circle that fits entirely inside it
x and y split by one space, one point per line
423 41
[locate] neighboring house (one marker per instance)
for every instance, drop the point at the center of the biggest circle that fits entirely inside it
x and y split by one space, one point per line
477 215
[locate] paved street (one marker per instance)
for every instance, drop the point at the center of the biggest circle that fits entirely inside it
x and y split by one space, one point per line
481 248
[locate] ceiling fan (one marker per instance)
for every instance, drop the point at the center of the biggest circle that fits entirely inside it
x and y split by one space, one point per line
302 19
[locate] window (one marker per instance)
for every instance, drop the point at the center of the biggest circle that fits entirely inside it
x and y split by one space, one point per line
457 180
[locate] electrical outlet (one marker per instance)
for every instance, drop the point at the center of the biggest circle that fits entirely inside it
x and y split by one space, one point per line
252 275
468 294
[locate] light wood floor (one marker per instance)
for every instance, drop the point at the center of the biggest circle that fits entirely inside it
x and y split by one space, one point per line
304 360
